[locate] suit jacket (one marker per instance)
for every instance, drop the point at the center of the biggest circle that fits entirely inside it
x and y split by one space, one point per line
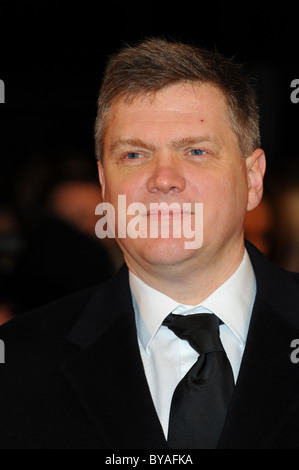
73 376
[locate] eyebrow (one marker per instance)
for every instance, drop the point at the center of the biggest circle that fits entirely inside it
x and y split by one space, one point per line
186 141
131 143
175 143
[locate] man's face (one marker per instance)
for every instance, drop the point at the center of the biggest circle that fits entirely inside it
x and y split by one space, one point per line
177 147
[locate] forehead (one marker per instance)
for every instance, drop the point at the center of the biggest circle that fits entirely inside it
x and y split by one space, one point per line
174 110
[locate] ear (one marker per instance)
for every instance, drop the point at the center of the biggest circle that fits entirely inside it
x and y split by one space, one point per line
101 178
256 167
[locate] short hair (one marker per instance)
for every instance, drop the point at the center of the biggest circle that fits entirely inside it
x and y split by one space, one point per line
155 64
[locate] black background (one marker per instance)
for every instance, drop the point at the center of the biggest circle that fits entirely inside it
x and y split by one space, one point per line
53 54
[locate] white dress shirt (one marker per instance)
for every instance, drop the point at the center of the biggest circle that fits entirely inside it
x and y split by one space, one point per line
166 358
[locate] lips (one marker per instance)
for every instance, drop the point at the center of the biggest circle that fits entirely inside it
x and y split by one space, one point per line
167 210
156 214
165 213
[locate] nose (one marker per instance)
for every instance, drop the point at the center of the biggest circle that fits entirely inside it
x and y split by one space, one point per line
166 176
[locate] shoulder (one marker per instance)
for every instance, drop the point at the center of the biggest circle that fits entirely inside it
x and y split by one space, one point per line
54 321
48 320
47 337
276 287
296 277
270 274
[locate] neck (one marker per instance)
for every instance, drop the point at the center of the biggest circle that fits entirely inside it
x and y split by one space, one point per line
190 283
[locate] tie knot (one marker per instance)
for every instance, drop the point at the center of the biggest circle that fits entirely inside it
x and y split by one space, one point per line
200 330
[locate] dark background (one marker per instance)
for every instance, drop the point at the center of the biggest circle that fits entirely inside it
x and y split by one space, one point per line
53 54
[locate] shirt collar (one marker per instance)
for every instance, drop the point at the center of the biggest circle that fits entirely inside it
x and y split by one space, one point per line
232 302
151 307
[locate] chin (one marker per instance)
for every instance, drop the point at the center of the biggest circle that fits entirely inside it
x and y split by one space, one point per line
166 252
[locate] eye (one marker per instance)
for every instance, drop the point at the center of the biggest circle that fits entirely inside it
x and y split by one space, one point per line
197 152
132 155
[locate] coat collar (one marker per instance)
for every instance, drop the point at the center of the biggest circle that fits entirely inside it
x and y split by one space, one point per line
107 373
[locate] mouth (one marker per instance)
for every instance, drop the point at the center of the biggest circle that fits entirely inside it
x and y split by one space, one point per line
162 214
166 210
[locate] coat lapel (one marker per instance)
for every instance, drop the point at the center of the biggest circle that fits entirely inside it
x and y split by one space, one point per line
107 374
266 393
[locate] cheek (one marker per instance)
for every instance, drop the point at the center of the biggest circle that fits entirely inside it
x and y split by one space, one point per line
123 191
113 186
224 198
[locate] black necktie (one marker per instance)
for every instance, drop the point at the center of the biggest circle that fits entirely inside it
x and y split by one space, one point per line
200 401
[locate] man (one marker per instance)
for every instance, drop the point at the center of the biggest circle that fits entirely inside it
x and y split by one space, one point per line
101 369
